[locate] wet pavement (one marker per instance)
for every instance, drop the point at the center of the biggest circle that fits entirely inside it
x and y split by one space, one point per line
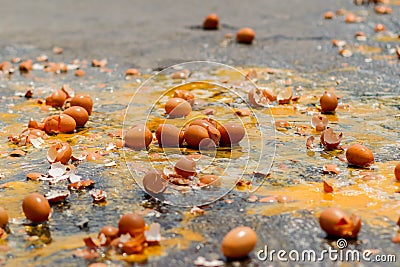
291 37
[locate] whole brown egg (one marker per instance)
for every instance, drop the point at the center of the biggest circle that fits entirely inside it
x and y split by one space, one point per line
231 133
138 137
84 101
239 242
80 115
36 207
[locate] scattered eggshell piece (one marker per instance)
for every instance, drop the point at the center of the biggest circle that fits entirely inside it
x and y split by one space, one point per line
330 140
154 183
81 185
331 168
328 188
185 167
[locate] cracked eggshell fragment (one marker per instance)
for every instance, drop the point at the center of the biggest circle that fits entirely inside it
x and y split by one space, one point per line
59 152
336 222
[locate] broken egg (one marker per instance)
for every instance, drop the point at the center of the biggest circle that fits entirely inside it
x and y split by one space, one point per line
36 207
35 125
258 98
185 167
80 115
57 98
328 102
109 232
239 242
154 183
3 217
245 35
231 133
62 123
138 137
184 94
319 122
177 107
359 155
338 223
84 101
169 136
330 140
211 22
197 136
60 152
131 223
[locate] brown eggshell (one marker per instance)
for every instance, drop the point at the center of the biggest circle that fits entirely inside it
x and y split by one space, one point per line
359 155
3 217
51 124
177 107
36 207
56 99
245 35
196 135
154 183
131 223
36 125
231 133
169 136
60 152
204 123
184 94
239 242
66 124
25 66
138 137
210 179
80 73
319 122
211 22
185 167
397 172
132 72
62 123
328 102
258 98
330 140
84 101
109 232
336 222
80 115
